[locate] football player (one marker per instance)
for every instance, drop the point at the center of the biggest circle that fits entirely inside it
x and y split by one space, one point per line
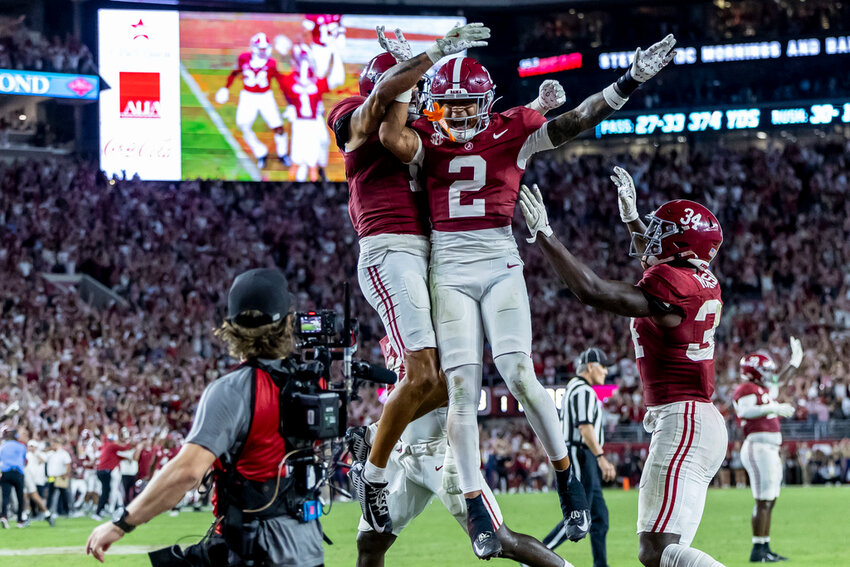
756 406
473 160
257 69
417 472
393 261
675 309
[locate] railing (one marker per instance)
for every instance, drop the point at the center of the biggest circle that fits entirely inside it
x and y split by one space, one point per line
791 431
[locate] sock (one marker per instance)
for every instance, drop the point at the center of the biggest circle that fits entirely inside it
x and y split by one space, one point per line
374 474
540 411
281 141
478 516
757 539
676 555
462 424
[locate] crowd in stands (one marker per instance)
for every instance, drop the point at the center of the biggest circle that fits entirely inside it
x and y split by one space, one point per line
170 250
26 49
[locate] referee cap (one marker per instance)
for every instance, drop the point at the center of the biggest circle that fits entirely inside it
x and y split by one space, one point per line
263 289
592 354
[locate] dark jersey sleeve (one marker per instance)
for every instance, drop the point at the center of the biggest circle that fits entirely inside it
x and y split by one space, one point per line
339 119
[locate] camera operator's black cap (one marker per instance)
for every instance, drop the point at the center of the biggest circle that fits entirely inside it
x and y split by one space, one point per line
592 354
263 289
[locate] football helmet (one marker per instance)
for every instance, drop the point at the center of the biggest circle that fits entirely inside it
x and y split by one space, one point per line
323 27
260 46
758 367
464 78
373 70
679 229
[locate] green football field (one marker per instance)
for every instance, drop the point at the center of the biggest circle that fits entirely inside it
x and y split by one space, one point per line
810 525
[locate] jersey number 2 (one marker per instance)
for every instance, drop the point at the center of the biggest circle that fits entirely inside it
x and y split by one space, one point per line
479 177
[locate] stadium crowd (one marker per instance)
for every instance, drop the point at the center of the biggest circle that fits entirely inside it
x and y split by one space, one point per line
27 49
166 252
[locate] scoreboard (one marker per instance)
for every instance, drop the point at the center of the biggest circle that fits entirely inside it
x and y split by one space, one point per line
726 119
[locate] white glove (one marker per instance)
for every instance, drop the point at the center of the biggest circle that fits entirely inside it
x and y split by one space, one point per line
625 194
221 95
451 480
648 63
785 410
12 408
796 352
532 207
459 39
550 96
282 45
398 48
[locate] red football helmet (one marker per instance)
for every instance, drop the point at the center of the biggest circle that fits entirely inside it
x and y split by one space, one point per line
679 229
758 367
464 78
323 27
260 46
373 70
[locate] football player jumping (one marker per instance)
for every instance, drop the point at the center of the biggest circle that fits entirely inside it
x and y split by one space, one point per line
756 406
472 160
393 262
675 309
257 69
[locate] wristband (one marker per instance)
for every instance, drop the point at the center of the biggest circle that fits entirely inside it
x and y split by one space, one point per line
602 454
434 52
405 96
627 84
613 98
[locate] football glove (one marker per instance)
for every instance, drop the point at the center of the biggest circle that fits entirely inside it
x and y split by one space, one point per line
221 95
459 38
549 97
796 352
532 207
451 480
648 63
398 48
625 194
282 45
785 410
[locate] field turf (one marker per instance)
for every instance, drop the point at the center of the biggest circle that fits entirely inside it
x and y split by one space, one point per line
809 525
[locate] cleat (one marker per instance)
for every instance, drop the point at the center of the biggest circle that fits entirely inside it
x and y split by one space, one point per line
286 161
485 543
762 554
24 524
775 556
261 162
51 519
96 517
575 509
355 440
373 500
4 523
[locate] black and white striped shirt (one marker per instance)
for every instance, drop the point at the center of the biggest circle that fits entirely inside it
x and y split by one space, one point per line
581 405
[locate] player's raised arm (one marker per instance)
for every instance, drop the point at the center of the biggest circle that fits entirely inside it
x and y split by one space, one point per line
550 96
599 106
793 364
620 298
398 82
627 203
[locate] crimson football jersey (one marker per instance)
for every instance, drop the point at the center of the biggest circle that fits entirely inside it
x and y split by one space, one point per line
758 424
381 197
304 97
677 363
474 185
255 79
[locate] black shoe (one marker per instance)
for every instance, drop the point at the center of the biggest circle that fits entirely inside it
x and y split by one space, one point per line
373 500
261 162
761 554
286 161
355 440
485 543
774 554
574 507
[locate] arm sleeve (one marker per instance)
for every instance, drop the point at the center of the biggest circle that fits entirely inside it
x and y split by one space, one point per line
419 156
537 141
747 407
223 414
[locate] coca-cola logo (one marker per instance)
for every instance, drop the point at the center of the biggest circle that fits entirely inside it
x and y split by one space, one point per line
130 148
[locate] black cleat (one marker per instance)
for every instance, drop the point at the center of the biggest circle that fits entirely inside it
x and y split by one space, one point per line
574 508
373 500
775 555
485 543
761 554
285 161
355 440
261 162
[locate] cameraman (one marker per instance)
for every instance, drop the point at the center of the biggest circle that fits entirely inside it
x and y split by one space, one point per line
236 431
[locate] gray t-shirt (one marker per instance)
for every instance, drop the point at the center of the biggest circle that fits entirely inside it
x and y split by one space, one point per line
221 425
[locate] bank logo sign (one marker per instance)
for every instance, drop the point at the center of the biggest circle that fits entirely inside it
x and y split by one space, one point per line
51 85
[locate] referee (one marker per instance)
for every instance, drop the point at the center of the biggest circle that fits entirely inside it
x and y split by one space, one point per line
582 420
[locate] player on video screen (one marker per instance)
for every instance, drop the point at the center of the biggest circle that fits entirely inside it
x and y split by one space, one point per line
257 69
303 88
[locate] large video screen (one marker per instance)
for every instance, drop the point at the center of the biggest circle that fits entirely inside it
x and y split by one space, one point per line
233 96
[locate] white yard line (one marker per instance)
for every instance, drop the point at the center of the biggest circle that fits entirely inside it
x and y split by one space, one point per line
76 550
243 158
